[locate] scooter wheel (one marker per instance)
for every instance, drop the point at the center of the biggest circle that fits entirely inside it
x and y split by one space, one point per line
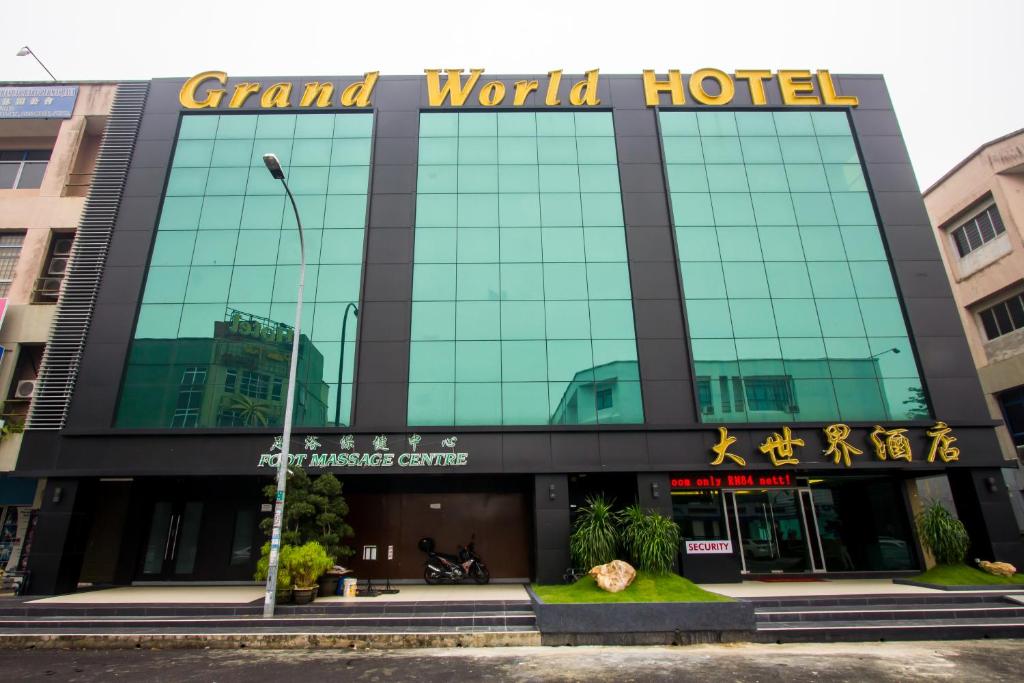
430 576
481 574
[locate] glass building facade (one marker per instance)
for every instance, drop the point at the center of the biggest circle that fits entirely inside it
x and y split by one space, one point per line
522 311
789 295
212 342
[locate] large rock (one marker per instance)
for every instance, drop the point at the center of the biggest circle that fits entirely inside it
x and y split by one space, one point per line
997 568
614 576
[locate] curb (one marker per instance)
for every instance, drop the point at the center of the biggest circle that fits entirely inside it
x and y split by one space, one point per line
1005 587
265 641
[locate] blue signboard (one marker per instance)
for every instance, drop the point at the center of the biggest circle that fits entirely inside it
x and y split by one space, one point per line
38 102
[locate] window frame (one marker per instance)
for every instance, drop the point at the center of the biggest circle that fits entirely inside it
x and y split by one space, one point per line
960 236
1013 316
21 163
6 282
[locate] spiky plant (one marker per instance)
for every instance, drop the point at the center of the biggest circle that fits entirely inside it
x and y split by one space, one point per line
594 539
943 534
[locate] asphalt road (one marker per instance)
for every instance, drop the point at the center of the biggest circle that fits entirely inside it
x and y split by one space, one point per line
958 661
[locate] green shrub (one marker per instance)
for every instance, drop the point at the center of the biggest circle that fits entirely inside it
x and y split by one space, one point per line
943 534
314 510
284 575
307 563
650 540
594 539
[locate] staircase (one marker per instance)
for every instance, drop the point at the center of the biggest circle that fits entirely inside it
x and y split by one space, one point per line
889 617
331 618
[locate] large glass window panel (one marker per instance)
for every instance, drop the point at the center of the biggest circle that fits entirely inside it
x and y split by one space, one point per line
431 403
528 239
477 361
523 320
477 178
563 245
432 361
522 282
825 279
524 361
478 403
478 320
565 281
524 403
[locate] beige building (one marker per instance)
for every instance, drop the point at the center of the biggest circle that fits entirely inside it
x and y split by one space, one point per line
50 137
977 210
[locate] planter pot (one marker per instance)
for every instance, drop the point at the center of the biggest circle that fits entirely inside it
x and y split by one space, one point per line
283 596
329 584
304 596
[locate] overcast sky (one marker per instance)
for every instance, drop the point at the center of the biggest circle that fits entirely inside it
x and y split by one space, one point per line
953 67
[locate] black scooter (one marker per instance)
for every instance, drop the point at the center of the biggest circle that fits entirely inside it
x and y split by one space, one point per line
453 568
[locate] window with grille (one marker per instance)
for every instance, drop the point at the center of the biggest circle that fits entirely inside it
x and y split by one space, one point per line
10 249
1004 317
979 230
22 169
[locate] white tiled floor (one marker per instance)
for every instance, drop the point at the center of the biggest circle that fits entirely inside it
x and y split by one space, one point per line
772 589
126 595
461 593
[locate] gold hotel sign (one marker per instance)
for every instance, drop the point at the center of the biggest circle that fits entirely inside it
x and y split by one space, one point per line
712 87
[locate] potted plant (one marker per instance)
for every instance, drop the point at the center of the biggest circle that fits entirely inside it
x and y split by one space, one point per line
306 563
315 510
284 575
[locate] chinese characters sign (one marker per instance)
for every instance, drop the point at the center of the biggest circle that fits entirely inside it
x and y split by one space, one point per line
888 444
38 102
322 452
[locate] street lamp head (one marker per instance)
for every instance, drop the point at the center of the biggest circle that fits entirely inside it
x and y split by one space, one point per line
895 350
24 51
274 166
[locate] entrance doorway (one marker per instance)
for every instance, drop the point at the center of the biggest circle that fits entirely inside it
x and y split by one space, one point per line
776 530
172 541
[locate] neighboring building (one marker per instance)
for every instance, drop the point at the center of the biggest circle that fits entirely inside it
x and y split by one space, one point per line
977 210
731 312
49 141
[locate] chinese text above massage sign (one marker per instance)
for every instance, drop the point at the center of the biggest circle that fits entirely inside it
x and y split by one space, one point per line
455 88
888 444
318 455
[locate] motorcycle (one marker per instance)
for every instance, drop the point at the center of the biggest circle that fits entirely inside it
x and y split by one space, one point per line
453 568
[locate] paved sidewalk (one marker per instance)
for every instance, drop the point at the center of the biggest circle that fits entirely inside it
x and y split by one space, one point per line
837 587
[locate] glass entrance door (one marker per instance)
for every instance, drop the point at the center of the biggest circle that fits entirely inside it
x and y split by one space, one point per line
774 532
170 551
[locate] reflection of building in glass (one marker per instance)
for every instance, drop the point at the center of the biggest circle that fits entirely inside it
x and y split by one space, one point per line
236 379
768 390
605 393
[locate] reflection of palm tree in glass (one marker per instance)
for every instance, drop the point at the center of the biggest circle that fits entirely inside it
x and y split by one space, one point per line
252 412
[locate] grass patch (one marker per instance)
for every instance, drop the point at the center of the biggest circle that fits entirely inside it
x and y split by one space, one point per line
962 575
645 588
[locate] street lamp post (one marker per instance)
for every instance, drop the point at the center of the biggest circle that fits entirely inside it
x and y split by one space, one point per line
26 51
341 359
270 597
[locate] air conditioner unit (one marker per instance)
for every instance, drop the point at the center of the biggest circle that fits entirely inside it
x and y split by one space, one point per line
26 389
58 264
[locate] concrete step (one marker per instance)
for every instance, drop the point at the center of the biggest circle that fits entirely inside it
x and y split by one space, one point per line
907 612
884 629
334 608
440 620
